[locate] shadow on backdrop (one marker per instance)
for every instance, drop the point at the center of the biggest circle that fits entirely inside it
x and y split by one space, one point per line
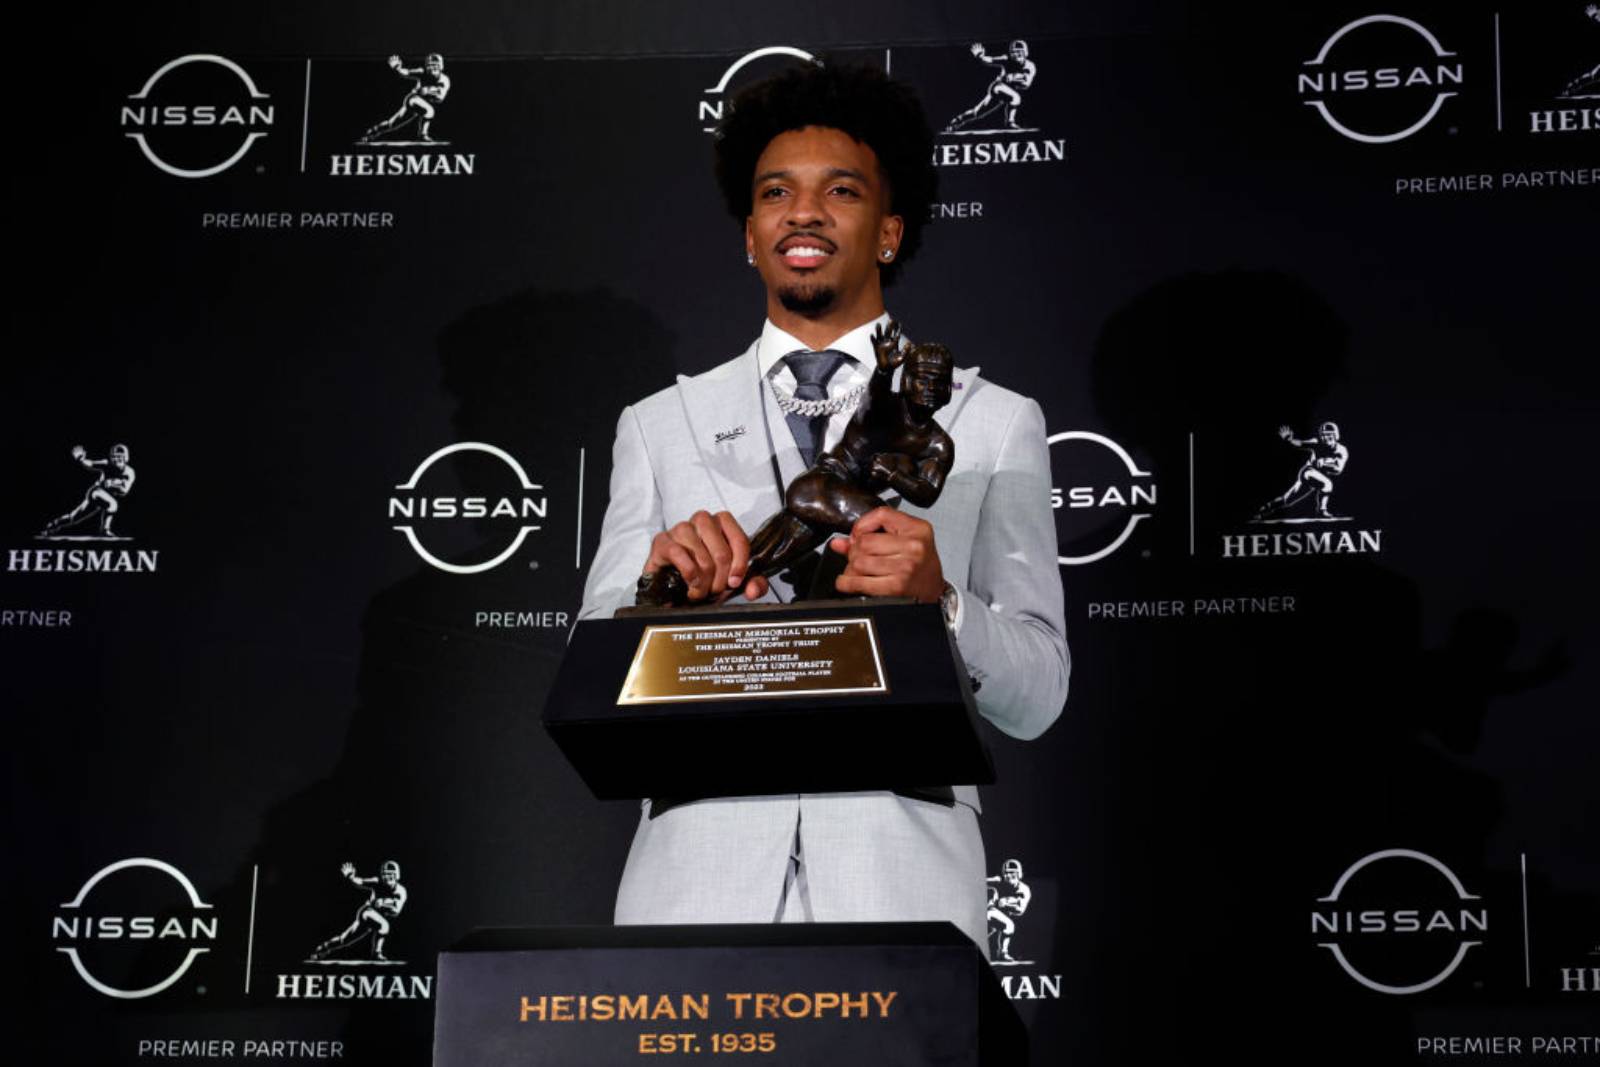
445 769
1252 758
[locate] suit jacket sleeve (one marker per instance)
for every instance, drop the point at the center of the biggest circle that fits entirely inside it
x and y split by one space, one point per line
633 517
1013 630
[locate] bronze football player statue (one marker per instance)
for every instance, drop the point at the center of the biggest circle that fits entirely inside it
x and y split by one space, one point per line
891 443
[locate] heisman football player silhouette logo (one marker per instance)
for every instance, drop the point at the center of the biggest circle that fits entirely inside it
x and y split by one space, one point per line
1325 460
1585 86
1014 74
1008 899
429 86
374 919
101 501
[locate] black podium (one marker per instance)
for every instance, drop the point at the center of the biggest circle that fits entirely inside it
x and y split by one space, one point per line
819 696
816 993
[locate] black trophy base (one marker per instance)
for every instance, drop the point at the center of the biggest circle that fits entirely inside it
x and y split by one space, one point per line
919 731
805 993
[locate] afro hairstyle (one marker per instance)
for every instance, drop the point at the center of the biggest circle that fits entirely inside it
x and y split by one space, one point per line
865 103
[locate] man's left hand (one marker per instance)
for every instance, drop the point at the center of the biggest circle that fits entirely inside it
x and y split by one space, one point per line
890 554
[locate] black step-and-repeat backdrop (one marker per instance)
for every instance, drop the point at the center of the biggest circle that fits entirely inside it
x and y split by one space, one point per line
315 359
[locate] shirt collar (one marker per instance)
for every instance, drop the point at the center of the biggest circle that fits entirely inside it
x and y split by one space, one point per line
776 343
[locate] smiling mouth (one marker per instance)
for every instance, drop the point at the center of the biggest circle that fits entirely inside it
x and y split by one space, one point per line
804 253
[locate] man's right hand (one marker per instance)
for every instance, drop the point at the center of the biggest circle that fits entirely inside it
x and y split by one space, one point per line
711 552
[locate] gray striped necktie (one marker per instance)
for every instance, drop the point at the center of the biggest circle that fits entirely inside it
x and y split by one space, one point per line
811 373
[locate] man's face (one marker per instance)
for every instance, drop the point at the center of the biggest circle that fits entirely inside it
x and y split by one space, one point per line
1019 51
819 220
389 878
1329 437
926 379
1012 878
434 64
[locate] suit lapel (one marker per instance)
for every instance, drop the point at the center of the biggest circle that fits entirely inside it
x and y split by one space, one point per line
723 412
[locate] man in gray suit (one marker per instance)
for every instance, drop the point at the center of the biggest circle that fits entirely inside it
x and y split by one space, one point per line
829 170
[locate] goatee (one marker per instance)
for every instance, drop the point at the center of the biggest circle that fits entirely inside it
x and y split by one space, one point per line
809 301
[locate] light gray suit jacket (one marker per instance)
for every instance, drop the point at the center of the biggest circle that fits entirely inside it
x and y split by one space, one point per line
708 442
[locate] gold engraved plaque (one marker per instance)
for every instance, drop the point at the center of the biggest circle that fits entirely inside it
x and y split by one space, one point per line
711 661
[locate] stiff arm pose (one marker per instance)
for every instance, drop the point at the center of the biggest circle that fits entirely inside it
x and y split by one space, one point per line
890 443
429 87
1326 461
1017 72
1585 86
104 497
385 898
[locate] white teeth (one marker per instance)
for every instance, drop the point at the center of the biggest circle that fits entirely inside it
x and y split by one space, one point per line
807 253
